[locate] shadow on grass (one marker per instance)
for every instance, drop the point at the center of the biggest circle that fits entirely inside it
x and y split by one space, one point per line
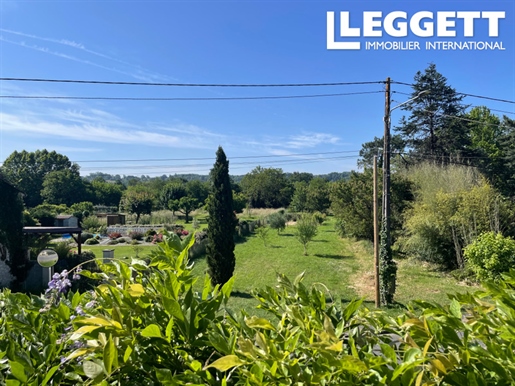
320 241
277 246
329 256
287 234
240 294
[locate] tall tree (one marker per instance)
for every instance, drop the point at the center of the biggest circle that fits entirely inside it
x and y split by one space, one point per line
64 187
267 188
137 200
432 129
27 171
375 147
221 223
487 135
106 193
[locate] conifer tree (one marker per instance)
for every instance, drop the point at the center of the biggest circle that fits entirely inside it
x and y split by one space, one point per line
221 223
432 131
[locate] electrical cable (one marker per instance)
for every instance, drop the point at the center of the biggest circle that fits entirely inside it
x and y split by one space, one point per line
187 84
184 99
212 158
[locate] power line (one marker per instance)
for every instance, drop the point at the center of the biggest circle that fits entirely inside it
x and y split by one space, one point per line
242 164
187 169
496 110
184 99
466 119
466 94
212 158
187 84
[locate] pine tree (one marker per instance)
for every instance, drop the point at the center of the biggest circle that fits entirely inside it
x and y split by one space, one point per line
431 130
221 223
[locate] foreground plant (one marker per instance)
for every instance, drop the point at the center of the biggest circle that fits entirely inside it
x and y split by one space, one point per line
143 324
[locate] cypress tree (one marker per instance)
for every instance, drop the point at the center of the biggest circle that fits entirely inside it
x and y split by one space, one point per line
221 223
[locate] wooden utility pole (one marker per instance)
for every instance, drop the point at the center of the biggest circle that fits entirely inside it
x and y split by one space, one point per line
376 237
386 165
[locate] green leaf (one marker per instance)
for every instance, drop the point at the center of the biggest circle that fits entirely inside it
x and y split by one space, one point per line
225 363
127 354
389 352
353 365
255 322
164 376
169 329
173 308
110 354
18 370
92 369
83 330
136 290
49 375
195 366
151 331
455 308
351 308
12 382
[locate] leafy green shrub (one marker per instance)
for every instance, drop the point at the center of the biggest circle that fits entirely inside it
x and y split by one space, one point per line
150 232
490 255
305 230
319 217
277 221
91 241
62 249
91 223
339 227
123 240
262 233
145 324
112 242
85 236
102 230
134 235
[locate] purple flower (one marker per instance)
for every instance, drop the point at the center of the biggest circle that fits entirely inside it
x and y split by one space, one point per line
91 304
80 311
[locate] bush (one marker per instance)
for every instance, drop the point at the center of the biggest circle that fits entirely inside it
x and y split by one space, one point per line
319 217
91 223
262 233
277 221
91 241
112 242
306 229
339 227
85 236
158 238
136 235
150 232
114 235
121 330
490 255
62 249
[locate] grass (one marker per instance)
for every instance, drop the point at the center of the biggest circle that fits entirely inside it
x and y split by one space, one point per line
345 267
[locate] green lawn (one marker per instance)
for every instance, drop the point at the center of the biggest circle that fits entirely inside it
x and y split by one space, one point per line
344 266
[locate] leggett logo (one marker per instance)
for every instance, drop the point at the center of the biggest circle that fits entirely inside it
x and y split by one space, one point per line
422 24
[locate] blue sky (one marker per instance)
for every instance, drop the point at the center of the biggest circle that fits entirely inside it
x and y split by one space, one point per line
222 42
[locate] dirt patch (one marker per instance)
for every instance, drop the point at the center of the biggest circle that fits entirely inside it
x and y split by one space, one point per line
364 284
